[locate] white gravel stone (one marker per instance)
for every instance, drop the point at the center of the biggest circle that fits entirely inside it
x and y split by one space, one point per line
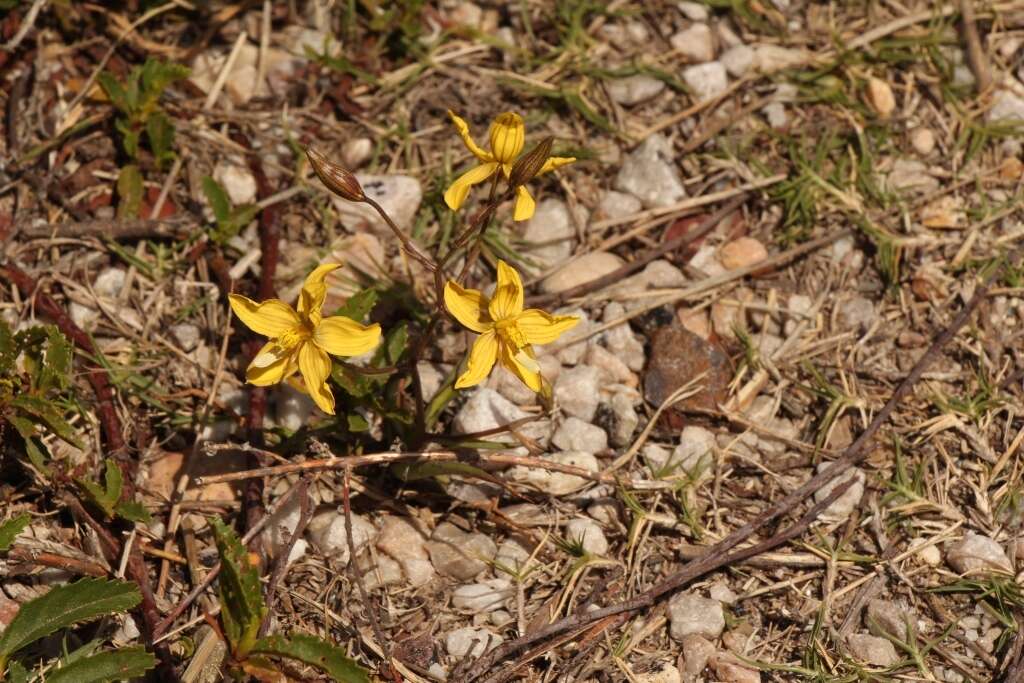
771 58
511 555
872 649
694 11
237 180
1006 106
721 592
584 269
356 152
977 554
487 409
697 650
399 195
634 89
576 435
922 140
886 617
612 369
458 554
549 233
738 60
406 544
911 176
650 174
620 338
588 533
280 528
857 313
706 80
577 392
109 282
511 387
614 205
695 42
557 483
471 641
486 596
841 508
625 417
690 614
292 408
187 335
329 536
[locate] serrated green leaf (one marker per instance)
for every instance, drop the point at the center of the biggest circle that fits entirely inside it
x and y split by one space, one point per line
128 662
160 132
355 384
129 191
157 75
16 673
33 446
10 529
115 91
48 414
133 511
241 597
359 305
129 137
108 496
315 652
65 606
56 371
218 198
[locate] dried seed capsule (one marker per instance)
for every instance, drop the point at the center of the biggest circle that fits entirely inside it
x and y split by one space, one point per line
530 164
337 178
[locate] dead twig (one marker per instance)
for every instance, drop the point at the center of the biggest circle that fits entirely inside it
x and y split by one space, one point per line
975 52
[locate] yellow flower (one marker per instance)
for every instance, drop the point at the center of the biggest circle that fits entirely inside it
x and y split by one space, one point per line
301 339
507 332
507 135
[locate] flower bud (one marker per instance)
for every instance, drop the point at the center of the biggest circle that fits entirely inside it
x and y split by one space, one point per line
529 165
337 178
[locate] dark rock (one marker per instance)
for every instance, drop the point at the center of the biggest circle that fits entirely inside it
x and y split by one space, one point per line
677 356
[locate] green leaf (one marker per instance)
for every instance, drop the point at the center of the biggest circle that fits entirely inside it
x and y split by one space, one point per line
48 414
8 350
218 198
316 652
394 346
56 372
129 137
107 497
359 305
128 662
160 131
129 192
33 446
115 91
10 529
133 511
16 673
240 217
357 423
241 598
156 76
64 606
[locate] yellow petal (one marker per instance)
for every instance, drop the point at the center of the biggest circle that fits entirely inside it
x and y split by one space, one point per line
507 136
343 336
455 195
315 366
555 162
271 365
524 204
468 306
314 290
272 318
507 301
540 327
467 139
481 360
523 365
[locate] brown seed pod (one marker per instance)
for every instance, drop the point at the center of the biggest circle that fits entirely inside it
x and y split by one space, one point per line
529 165
337 178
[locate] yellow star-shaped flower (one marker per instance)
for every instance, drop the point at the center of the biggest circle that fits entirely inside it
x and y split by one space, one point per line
301 339
507 136
507 332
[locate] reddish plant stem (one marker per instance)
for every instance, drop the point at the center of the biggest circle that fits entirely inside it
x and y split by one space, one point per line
252 495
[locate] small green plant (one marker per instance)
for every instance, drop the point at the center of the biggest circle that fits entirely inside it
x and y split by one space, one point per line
107 497
243 611
35 366
61 608
138 101
230 219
